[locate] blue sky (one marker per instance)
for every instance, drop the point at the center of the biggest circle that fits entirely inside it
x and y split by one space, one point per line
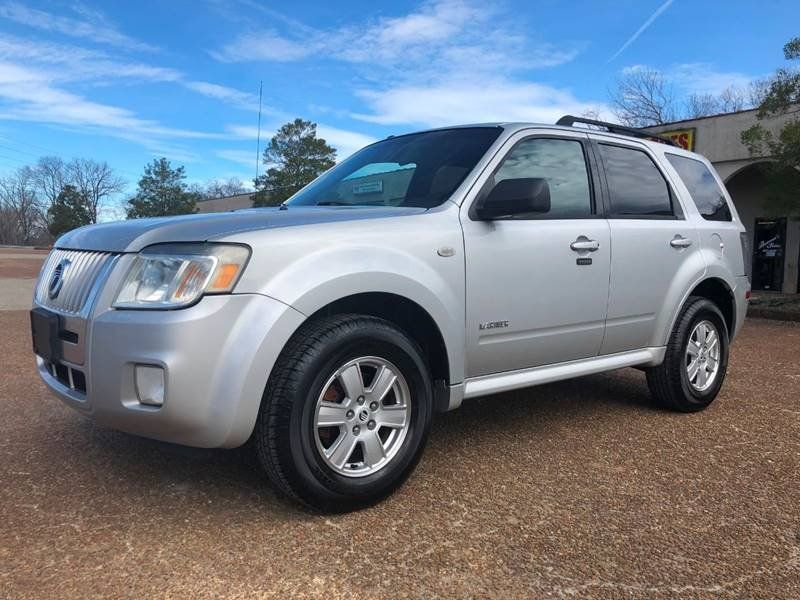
128 81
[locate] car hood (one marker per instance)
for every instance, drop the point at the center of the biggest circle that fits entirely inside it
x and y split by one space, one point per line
135 234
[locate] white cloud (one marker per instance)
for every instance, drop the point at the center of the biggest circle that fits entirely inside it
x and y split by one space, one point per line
698 78
650 20
472 102
64 63
29 95
346 142
245 158
264 45
92 25
225 94
448 61
441 34
74 63
705 78
248 131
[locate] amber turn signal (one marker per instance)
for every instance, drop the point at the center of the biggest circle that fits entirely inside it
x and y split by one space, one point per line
226 275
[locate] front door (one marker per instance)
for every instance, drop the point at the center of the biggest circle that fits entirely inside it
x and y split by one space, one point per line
537 284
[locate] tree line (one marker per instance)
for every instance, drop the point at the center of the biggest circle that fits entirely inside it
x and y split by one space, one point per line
40 202
645 97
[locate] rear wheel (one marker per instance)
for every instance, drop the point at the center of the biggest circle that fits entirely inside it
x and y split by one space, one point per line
346 413
696 359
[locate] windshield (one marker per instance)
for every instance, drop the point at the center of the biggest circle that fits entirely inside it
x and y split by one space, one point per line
421 169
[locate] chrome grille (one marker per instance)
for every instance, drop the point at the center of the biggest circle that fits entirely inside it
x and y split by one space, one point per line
78 278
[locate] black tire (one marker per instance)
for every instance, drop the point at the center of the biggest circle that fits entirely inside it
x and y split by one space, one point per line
284 436
669 382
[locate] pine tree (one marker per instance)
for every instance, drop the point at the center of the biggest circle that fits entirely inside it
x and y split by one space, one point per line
162 192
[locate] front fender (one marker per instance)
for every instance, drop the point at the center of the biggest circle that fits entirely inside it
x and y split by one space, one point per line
322 278
309 270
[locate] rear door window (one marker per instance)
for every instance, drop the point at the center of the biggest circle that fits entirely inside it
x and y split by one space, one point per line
637 189
705 191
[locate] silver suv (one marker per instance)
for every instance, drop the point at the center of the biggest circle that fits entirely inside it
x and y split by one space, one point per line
423 270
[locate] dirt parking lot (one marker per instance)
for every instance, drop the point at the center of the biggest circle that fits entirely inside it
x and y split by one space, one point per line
579 488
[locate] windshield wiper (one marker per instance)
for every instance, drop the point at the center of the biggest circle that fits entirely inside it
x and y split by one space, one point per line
333 203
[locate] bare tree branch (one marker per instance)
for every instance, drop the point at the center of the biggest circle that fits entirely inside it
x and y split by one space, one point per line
96 181
701 105
50 176
732 99
21 217
217 188
643 97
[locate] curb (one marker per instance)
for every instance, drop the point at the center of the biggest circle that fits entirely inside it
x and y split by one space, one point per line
772 314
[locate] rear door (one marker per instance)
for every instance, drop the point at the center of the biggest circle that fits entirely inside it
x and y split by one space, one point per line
651 242
537 284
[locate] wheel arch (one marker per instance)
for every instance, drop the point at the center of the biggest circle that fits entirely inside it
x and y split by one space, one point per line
720 293
407 315
714 288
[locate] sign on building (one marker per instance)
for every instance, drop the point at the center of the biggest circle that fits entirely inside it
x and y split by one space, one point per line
683 137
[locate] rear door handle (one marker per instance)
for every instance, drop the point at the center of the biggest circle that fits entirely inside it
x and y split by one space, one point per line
583 243
680 242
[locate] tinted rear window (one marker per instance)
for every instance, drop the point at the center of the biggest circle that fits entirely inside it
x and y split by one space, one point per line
636 186
705 190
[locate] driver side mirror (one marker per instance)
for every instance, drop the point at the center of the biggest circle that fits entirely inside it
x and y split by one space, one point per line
512 197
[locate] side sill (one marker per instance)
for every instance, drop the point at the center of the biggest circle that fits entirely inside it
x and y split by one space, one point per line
513 380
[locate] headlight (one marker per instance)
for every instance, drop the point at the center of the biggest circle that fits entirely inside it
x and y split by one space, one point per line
177 275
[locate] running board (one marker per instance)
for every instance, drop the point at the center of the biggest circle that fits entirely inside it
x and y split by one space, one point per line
513 380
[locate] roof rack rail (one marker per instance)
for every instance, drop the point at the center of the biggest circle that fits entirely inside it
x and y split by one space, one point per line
570 120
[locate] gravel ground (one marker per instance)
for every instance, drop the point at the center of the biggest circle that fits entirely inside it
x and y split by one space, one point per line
579 488
16 293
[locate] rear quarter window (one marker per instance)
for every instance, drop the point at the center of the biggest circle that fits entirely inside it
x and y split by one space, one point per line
705 191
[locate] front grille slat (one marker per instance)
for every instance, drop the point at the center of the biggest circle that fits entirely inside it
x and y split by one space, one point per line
78 279
72 275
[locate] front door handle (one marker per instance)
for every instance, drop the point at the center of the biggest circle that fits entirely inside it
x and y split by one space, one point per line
680 242
583 244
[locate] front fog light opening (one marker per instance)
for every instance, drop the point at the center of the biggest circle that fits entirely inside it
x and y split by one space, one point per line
150 385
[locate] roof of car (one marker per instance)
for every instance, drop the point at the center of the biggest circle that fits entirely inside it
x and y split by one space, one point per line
513 126
652 140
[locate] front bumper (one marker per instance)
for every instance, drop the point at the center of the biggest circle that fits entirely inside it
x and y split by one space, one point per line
216 357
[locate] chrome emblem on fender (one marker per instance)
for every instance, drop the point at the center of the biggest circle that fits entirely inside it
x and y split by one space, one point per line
57 279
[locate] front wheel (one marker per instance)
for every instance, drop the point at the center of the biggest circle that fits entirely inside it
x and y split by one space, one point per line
696 359
345 414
